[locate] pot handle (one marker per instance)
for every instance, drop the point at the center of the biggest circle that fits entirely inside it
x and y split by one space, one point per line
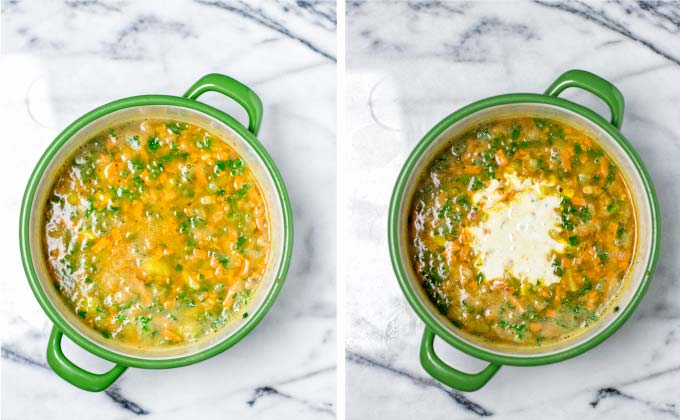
445 374
594 84
235 90
77 376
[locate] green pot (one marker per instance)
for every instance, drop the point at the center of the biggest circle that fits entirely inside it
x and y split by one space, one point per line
185 109
547 105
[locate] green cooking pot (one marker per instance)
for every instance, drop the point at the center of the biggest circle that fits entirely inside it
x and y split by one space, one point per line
547 105
186 109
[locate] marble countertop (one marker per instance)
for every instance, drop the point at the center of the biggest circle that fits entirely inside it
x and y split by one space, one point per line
412 63
59 60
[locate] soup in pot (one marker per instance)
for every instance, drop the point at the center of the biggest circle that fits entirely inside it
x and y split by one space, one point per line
521 231
156 233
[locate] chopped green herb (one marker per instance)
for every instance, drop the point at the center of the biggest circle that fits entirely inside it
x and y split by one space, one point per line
176 127
601 253
444 210
153 143
475 184
240 243
587 286
577 149
144 322
515 132
204 143
620 231
541 123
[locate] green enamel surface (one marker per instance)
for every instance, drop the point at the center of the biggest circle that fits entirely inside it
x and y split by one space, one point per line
77 376
594 84
437 368
235 90
253 105
444 373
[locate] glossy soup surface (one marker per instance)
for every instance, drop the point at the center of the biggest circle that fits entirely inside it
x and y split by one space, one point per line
522 231
156 233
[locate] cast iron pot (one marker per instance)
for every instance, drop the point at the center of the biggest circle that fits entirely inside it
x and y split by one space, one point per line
184 109
607 134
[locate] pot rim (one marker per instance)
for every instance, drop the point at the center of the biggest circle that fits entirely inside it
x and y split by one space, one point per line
426 314
53 313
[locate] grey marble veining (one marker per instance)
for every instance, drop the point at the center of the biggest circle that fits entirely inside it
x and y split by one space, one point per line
61 59
411 63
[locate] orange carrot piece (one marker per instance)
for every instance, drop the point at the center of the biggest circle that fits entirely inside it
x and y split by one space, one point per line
566 163
578 201
516 302
604 167
559 294
200 175
472 170
101 244
170 335
501 159
612 228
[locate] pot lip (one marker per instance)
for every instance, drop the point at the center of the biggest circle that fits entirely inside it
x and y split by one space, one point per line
430 319
55 316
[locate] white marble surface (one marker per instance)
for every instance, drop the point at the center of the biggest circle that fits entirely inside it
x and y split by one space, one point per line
63 58
412 63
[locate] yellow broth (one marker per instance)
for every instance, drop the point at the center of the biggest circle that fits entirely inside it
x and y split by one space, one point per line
156 233
592 228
